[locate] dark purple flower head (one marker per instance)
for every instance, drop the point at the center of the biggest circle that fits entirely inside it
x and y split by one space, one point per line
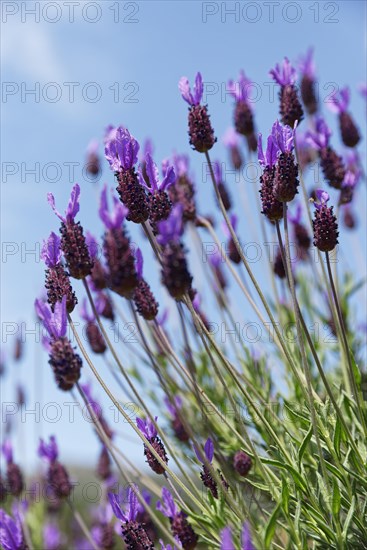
49 451
7 451
319 139
226 542
271 153
322 198
54 322
283 137
284 74
133 505
167 505
197 95
208 449
147 427
239 89
11 535
72 208
121 150
339 101
172 228
152 173
113 219
51 253
307 64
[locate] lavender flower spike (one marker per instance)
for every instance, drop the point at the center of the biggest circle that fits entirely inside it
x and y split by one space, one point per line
113 219
51 253
285 74
72 208
339 104
7 451
49 451
184 87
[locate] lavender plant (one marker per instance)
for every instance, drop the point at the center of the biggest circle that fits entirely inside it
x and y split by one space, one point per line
285 454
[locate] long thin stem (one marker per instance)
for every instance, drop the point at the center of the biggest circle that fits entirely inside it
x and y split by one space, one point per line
346 345
305 364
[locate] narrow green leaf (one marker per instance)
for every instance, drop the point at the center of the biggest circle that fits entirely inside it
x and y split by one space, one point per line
348 519
337 436
335 506
270 528
298 479
285 495
304 444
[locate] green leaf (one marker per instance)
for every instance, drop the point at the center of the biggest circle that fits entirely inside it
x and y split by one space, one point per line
270 528
298 479
337 436
335 506
285 495
356 371
304 444
348 519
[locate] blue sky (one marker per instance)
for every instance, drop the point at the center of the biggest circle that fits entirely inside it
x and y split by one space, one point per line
130 59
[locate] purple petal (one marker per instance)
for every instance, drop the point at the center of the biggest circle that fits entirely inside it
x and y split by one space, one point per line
51 253
307 65
322 198
44 312
11 536
133 504
115 218
115 505
184 87
198 89
172 228
152 172
209 449
167 506
84 314
48 451
226 542
141 424
260 152
199 454
169 178
51 202
60 319
271 152
73 205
